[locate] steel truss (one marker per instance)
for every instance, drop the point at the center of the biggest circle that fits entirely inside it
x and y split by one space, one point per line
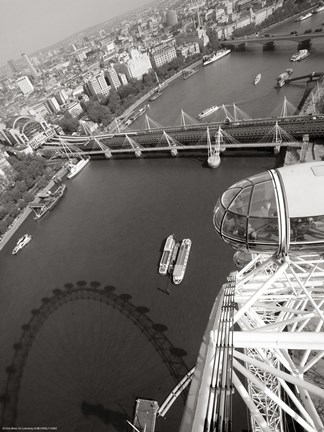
264 340
280 313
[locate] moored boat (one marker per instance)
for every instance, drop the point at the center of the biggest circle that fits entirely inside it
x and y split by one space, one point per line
182 260
155 95
257 79
22 242
215 56
75 168
281 80
303 17
318 9
167 254
300 55
208 111
49 202
174 257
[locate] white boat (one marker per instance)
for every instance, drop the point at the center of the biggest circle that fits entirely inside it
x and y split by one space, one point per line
257 79
22 242
166 254
208 111
303 17
300 55
318 9
281 80
75 168
182 260
215 56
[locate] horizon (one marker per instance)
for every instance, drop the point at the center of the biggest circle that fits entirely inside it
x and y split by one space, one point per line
35 21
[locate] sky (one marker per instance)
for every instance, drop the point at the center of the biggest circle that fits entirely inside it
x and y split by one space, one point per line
29 25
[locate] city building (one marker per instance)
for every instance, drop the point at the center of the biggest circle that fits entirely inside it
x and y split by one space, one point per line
187 50
112 77
30 65
53 105
13 66
6 171
163 54
74 108
39 109
25 85
171 18
136 66
123 78
61 96
97 86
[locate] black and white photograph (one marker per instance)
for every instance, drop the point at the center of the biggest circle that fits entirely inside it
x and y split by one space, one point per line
162 215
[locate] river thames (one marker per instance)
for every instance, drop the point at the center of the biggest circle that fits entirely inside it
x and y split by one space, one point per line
87 324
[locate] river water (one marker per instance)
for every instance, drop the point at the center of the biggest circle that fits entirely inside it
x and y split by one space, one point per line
103 326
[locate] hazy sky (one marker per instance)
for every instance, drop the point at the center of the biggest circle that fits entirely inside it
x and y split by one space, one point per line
30 25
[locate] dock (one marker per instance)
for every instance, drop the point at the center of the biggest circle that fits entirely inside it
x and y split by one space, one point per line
145 415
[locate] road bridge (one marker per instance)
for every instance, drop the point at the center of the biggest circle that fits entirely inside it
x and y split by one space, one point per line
271 39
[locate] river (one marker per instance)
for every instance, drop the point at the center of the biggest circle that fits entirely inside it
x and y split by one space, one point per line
111 328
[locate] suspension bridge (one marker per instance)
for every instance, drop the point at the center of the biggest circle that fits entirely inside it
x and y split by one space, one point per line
189 135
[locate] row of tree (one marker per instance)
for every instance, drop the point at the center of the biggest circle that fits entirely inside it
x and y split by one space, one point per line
31 173
103 110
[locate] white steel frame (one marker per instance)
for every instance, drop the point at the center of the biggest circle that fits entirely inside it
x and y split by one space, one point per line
277 347
281 315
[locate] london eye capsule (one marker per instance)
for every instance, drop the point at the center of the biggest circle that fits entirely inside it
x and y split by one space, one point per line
279 211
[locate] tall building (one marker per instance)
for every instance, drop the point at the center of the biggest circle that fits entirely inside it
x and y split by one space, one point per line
25 85
171 18
112 77
13 66
163 54
30 65
136 66
97 85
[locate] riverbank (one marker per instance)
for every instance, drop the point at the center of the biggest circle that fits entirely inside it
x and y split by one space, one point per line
127 113
27 210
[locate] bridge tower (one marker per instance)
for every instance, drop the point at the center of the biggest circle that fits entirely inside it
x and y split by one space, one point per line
265 336
214 150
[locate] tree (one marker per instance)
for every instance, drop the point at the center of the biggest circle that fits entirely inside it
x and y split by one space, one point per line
213 39
98 113
114 101
69 124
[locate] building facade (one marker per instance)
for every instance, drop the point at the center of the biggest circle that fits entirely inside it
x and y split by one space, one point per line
25 85
30 65
163 54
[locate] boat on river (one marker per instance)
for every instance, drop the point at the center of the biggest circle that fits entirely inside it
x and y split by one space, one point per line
156 94
167 254
21 243
182 260
318 9
208 111
303 17
281 80
75 168
257 79
48 203
215 56
300 55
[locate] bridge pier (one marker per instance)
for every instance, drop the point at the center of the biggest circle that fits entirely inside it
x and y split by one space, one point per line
304 148
305 44
108 154
138 153
174 152
269 46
